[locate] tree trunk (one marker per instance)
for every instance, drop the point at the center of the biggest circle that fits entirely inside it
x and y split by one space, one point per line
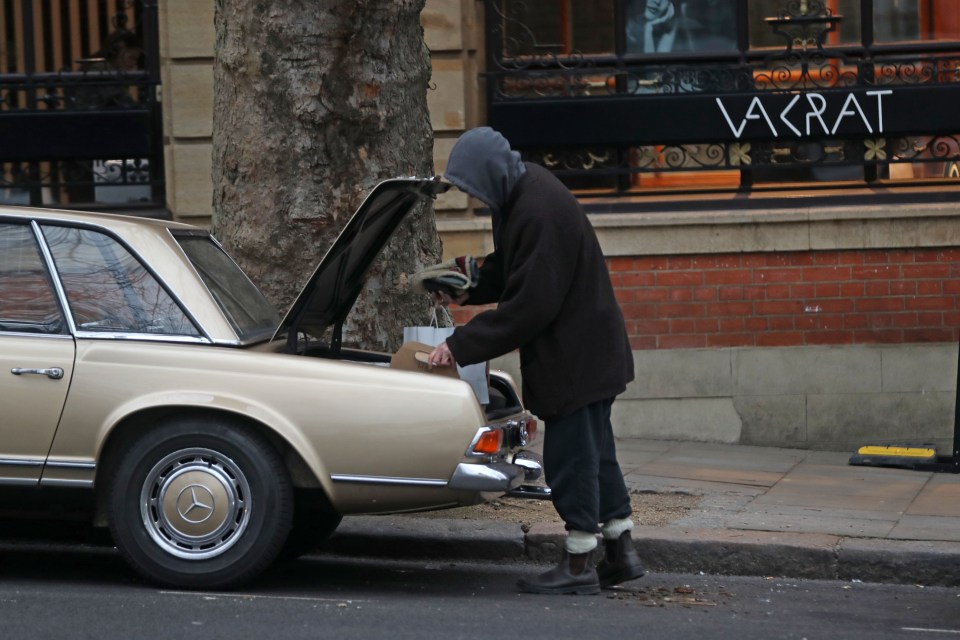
315 102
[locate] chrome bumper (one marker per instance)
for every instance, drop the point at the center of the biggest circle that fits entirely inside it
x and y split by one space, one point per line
502 477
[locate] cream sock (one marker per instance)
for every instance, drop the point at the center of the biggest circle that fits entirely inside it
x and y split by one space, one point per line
612 530
580 542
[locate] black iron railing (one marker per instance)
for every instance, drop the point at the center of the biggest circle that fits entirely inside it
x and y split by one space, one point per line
80 121
809 111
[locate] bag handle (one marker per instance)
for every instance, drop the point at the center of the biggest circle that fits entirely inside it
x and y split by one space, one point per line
447 318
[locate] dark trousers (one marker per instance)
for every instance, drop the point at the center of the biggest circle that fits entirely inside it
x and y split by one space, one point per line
581 468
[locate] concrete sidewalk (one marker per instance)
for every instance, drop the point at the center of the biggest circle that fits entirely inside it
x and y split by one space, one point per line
765 511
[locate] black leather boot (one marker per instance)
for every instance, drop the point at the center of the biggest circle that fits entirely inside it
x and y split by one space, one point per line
573 575
620 561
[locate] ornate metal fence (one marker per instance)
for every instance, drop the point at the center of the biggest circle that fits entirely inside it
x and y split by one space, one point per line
806 111
80 120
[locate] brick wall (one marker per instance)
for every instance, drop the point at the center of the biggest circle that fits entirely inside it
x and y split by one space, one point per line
787 299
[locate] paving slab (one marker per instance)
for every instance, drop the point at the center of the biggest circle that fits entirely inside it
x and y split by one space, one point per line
939 497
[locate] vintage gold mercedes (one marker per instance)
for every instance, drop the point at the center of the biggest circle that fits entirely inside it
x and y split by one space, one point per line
144 374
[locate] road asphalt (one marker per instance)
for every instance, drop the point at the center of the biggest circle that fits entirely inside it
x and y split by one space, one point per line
764 511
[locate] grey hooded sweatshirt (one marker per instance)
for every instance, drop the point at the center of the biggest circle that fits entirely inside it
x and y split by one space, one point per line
555 301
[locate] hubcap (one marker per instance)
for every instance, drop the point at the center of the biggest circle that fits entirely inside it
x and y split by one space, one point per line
195 503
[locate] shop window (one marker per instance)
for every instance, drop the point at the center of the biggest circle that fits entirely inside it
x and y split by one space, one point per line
665 26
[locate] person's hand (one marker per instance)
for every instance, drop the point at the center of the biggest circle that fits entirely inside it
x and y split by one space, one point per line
441 356
445 299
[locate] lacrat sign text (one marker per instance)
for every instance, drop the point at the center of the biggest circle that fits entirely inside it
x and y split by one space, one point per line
809 114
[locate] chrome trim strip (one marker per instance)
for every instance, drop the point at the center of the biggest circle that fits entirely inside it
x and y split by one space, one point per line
21 462
54 275
28 334
146 337
63 482
18 482
415 482
71 464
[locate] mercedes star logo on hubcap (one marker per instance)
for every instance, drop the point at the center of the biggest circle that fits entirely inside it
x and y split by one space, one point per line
195 503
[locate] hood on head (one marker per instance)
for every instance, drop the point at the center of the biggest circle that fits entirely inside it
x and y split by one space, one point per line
483 165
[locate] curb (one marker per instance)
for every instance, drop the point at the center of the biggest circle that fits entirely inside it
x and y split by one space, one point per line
663 549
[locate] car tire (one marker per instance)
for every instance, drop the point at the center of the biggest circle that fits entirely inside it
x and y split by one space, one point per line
314 520
200 503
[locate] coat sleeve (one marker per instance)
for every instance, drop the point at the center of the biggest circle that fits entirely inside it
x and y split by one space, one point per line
543 247
490 284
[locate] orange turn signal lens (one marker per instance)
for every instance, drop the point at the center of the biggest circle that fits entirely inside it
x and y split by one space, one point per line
489 442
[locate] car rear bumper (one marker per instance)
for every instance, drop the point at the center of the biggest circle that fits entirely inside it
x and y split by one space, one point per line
499 476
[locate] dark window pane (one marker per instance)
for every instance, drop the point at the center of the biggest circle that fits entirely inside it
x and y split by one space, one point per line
108 290
662 26
912 20
27 299
556 27
763 34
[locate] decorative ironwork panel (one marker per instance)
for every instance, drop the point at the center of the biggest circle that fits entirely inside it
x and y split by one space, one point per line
80 122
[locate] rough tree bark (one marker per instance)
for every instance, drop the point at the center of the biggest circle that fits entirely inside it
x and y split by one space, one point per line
315 102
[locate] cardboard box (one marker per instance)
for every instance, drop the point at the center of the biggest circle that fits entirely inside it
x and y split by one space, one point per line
412 356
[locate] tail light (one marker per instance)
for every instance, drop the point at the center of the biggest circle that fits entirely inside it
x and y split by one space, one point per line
487 442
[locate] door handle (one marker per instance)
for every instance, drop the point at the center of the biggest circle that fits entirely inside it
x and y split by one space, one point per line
54 373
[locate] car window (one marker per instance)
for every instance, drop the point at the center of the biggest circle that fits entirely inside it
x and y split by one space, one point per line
108 290
28 302
247 309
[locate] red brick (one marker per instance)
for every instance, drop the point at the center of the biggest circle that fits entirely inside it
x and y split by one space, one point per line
639 311
951 286
682 342
929 287
875 272
850 257
754 259
777 275
706 325
851 289
952 319
928 335
729 260
803 291
877 288
903 287
679 278
703 263
730 293
730 309
778 307
731 340
760 292
638 279
781 323
756 324
829 337
680 310
824 274
879 304
927 270
651 327
643 343
625 296
924 319
806 323
825 258
683 325
831 290
679 263
831 321
777 260
650 263
705 294
930 302
839 305
621 264
733 325
681 294
728 276
780 339
878 337
801 259
651 294
855 321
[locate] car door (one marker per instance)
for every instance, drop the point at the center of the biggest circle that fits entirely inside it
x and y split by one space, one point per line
36 356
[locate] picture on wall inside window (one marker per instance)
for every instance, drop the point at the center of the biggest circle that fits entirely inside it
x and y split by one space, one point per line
665 26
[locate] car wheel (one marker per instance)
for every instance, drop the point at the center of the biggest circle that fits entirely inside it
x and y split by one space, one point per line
314 520
200 503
